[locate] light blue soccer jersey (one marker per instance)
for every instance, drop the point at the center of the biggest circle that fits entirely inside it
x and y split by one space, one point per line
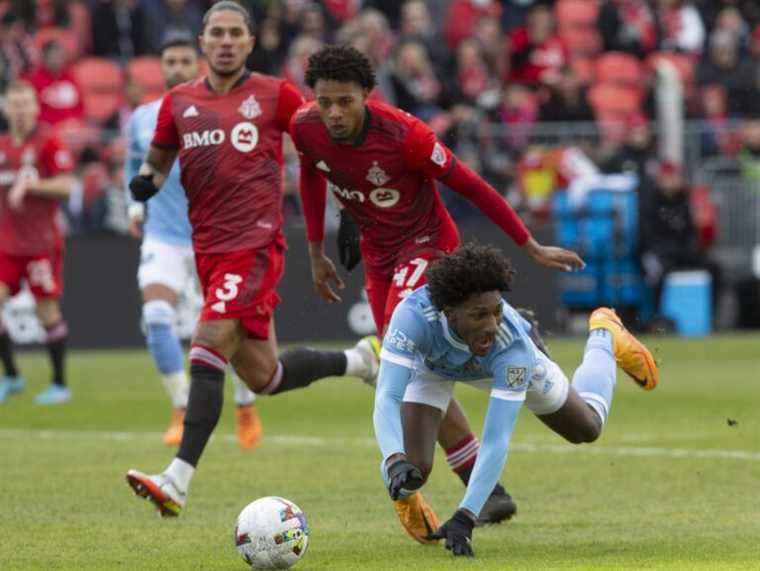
166 219
419 339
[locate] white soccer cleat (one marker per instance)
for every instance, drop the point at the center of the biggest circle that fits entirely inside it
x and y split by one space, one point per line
159 489
369 350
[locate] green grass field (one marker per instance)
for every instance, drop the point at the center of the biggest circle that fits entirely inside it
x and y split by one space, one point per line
670 485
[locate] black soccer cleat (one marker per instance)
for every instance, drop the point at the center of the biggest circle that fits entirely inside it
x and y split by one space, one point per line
498 507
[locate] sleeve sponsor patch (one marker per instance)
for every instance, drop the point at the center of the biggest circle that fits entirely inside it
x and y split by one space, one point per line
438 155
397 339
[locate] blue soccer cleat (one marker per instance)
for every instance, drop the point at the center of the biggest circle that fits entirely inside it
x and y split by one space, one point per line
54 394
11 385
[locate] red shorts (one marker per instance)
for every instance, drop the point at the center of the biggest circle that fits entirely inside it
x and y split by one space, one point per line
43 273
386 292
242 285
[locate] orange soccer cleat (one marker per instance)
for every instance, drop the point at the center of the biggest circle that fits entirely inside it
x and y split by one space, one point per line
249 429
417 517
630 353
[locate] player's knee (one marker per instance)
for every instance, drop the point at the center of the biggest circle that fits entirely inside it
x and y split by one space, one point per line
48 312
158 313
221 336
585 432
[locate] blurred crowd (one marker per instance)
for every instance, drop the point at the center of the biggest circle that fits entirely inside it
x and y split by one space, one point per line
487 75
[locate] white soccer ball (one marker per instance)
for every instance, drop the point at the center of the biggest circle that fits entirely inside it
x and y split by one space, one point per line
271 533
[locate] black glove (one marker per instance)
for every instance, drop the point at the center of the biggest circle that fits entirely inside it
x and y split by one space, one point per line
403 474
142 187
458 534
348 241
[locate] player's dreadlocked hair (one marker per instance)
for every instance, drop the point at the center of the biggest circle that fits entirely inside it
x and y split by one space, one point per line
340 63
471 269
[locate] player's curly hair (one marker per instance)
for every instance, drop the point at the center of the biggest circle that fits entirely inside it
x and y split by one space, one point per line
340 63
471 269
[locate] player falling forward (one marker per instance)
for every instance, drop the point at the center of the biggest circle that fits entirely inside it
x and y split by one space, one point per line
227 128
382 163
166 259
459 328
35 176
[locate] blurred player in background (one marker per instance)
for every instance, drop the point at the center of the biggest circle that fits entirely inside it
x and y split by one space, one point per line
167 266
35 175
381 163
460 328
227 128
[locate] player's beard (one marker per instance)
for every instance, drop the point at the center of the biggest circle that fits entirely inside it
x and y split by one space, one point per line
227 72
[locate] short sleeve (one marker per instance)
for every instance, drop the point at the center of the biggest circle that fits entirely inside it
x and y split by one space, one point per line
424 152
289 100
56 157
406 337
512 371
166 135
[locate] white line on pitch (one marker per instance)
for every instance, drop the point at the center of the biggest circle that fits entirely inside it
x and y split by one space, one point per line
296 440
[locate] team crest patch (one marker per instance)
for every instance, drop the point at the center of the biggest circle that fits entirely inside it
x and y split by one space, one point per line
438 155
377 176
515 377
250 108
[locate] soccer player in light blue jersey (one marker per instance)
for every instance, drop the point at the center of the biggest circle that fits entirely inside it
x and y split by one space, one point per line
167 266
460 328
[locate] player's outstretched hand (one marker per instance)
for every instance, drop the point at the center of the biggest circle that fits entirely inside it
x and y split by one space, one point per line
403 475
554 257
458 534
322 273
348 241
142 187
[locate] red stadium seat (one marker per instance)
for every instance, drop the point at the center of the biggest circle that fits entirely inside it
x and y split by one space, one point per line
577 13
619 68
102 84
146 72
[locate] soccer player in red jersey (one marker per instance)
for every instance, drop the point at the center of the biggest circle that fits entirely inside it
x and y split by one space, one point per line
227 129
35 174
381 163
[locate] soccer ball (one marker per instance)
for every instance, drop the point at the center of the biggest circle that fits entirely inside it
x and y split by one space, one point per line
271 533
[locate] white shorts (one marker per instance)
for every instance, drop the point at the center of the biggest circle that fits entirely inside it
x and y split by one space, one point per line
166 264
547 391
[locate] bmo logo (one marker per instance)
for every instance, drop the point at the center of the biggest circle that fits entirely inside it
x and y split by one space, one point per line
244 137
203 138
345 193
384 197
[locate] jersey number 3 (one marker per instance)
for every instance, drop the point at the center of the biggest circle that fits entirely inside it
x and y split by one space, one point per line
227 292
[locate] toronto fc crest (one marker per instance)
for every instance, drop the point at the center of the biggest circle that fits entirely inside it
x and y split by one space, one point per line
376 175
250 108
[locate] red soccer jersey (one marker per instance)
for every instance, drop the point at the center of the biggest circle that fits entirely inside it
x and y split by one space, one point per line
386 181
35 228
230 154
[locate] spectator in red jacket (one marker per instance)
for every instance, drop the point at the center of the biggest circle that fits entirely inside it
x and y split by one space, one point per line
463 15
58 92
537 54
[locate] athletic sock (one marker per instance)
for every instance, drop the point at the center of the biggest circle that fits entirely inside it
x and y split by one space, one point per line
298 368
355 364
6 353
243 395
180 473
55 339
461 457
205 403
594 379
166 350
